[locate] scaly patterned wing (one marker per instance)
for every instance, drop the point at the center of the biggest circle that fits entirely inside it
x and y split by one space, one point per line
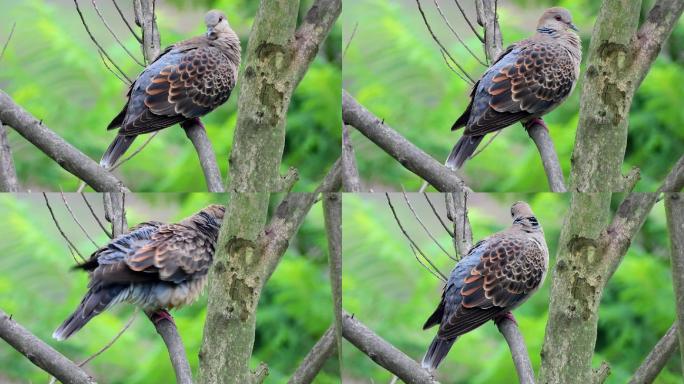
510 269
177 253
200 81
528 81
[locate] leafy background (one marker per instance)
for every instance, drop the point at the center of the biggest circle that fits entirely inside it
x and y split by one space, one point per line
394 68
52 69
39 290
386 289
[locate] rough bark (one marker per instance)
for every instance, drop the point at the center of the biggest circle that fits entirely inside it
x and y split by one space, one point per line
247 253
350 172
590 250
619 58
146 19
277 58
674 208
8 174
576 289
63 153
41 354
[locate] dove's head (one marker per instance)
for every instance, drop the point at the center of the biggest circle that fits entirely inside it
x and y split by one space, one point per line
523 216
215 211
217 24
556 19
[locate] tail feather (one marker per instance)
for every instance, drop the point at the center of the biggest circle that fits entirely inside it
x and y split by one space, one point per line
436 352
92 305
462 151
116 149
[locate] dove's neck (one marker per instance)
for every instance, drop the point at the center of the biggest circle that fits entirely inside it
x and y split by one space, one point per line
567 39
229 44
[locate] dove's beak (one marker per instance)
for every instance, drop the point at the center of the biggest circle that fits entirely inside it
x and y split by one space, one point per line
211 34
573 27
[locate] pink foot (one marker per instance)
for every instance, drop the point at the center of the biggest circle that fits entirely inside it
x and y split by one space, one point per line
504 316
192 122
536 121
161 315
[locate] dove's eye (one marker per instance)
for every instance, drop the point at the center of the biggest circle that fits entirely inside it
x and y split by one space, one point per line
558 18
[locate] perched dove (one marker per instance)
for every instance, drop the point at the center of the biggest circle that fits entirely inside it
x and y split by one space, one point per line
498 274
187 80
155 266
529 79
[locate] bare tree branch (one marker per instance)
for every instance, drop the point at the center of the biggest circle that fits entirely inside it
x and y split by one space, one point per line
457 212
66 155
314 360
516 343
470 24
438 216
674 209
332 210
316 25
128 25
41 354
8 174
383 353
657 358
350 172
549 157
174 344
115 212
488 19
76 220
410 156
146 19
212 174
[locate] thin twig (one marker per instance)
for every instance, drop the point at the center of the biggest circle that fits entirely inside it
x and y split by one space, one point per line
92 211
470 24
441 46
140 148
123 79
107 346
59 228
350 39
73 216
491 138
446 61
104 21
4 47
413 211
99 47
434 270
439 217
127 23
458 37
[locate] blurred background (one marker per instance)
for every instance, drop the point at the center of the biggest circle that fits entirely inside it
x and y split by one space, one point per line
389 291
39 289
52 69
395 69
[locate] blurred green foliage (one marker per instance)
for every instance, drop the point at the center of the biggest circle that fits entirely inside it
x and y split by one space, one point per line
388 290
394 68
52 69
39 290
